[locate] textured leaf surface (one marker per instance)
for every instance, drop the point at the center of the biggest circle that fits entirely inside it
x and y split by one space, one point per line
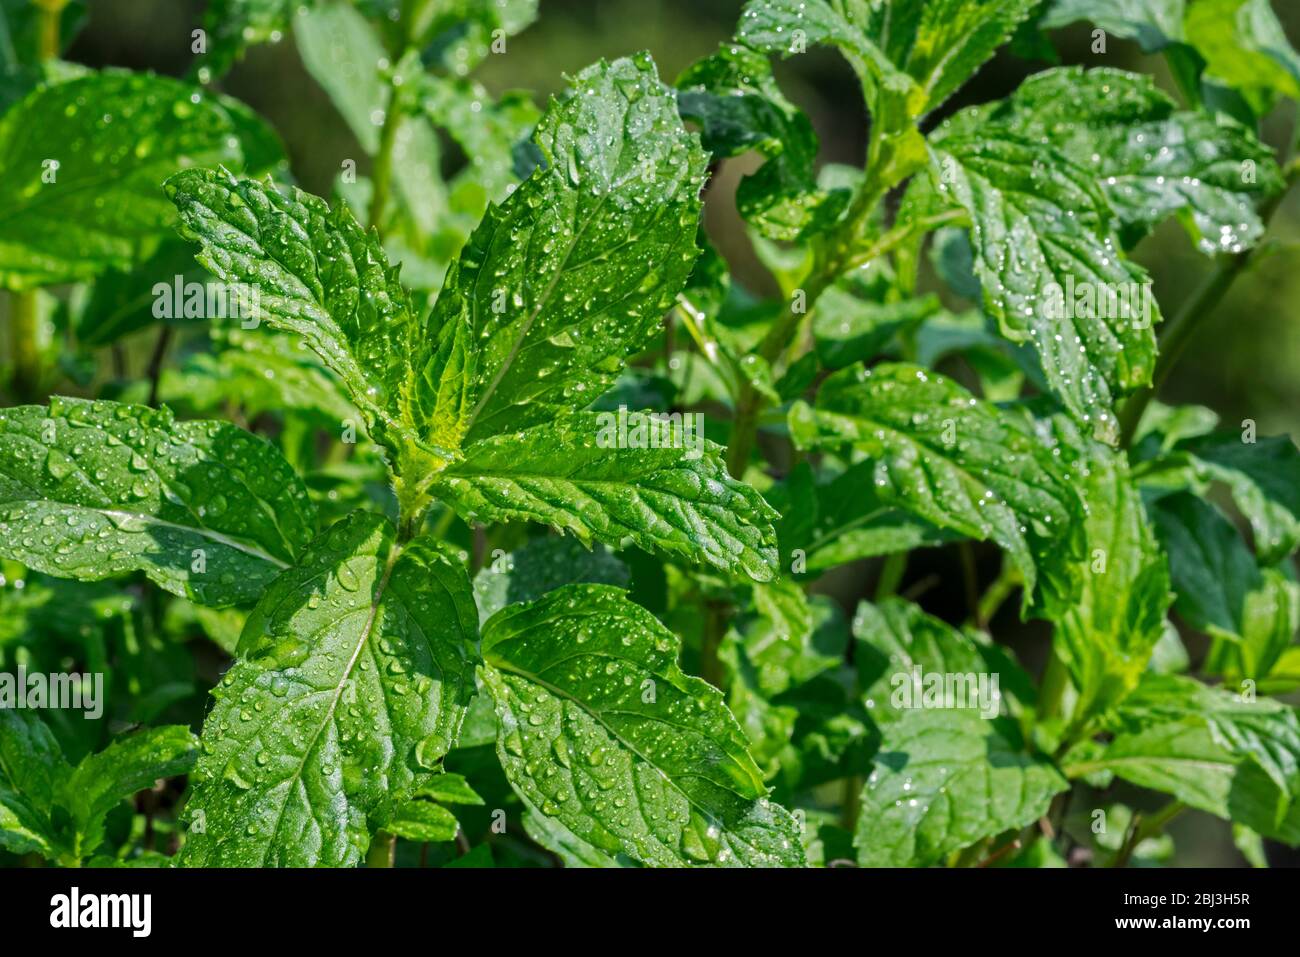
57 810
938 44
739 107
90 490
571 274
32 775
565 475
1040 228
946 457
849 329
944 780
259 371
319 275
115 137
487 130
895 636
354 674
235 25
843 520
1208 748
129 764
1150 160
1109 604
601 731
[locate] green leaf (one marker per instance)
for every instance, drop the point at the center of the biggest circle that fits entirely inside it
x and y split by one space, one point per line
840 520
895 637
848 329
938 44
258 372
342 52
234 25
1154 24
1151 161
601 731
1042 234
893 98
115 137
777 637
938 453
1212 750
486 130
32 775
91 490
1254 613
320 276
1245 47
572 474
571 274
541 566
1109 604
1264 478
734 98
129 764
945 780
459 34
59 811
422 821
572 850
354 673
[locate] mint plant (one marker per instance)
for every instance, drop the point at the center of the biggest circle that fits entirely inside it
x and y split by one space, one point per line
408 543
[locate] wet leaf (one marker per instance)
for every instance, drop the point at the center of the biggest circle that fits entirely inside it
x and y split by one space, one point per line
82 165
96 489
946 457
601 731
354 674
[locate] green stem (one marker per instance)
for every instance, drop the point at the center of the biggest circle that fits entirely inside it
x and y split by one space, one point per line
1178 332
50 21
24 314
383 850
1051 694
24 343
835 254
891 575
1147 827
997 593
382 175
711 642
749 401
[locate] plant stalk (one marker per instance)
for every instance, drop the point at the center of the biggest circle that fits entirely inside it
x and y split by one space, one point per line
24 345
382 175
383 850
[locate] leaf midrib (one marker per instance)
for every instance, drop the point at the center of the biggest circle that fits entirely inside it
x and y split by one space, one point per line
364 637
